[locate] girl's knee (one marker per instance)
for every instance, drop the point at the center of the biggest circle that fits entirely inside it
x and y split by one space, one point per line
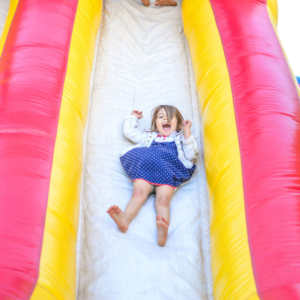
162 201
139 194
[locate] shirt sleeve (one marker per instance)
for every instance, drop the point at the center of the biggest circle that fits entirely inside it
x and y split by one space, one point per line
131 131
190 147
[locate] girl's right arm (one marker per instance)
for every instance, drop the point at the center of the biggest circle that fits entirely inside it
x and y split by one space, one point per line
131 128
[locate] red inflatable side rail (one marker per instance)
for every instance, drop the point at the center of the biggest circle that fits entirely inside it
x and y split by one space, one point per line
32 73
267 111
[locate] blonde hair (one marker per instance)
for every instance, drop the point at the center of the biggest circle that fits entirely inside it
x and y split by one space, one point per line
171 111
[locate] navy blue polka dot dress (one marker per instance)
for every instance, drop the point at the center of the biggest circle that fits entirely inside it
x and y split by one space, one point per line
157 164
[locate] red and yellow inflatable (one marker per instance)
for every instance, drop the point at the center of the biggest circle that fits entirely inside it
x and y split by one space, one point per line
250 107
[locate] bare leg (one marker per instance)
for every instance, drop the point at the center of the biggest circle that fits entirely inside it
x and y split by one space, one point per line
146 2
164 194
141 190
165 3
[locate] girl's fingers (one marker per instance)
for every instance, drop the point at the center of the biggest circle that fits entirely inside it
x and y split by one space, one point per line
137 112
187 123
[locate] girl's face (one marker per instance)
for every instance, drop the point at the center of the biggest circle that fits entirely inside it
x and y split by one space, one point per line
163 126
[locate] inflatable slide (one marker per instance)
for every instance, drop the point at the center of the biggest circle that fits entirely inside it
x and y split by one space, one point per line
70 71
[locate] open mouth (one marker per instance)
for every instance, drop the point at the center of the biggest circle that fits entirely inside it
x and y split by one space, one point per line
166 127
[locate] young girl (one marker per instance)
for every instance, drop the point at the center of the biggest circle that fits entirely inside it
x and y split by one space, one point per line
160 163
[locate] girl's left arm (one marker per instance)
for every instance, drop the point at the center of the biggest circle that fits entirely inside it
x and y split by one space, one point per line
131 131
190 147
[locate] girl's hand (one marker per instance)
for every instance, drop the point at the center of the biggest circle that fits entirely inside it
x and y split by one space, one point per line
187 124
138 114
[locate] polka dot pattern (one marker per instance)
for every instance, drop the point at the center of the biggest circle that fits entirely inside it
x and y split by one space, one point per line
158 164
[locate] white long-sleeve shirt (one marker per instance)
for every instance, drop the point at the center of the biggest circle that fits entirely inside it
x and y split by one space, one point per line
187 148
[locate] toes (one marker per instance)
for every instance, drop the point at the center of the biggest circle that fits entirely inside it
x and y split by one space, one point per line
158 218
165 221
110 209
113 209
146 3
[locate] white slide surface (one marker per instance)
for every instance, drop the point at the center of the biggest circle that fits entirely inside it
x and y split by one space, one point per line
142 61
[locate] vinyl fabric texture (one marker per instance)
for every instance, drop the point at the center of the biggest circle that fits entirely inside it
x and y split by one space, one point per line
234 226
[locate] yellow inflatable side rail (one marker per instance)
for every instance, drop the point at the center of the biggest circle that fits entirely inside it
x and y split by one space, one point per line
57 274
221 153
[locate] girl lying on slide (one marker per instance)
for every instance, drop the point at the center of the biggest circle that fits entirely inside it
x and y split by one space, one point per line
161 2
160 163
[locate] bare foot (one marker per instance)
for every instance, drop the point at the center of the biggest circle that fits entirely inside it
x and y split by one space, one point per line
162 230
119 217
146 2
165 3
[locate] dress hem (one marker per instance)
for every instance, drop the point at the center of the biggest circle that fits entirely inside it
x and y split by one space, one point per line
174 187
